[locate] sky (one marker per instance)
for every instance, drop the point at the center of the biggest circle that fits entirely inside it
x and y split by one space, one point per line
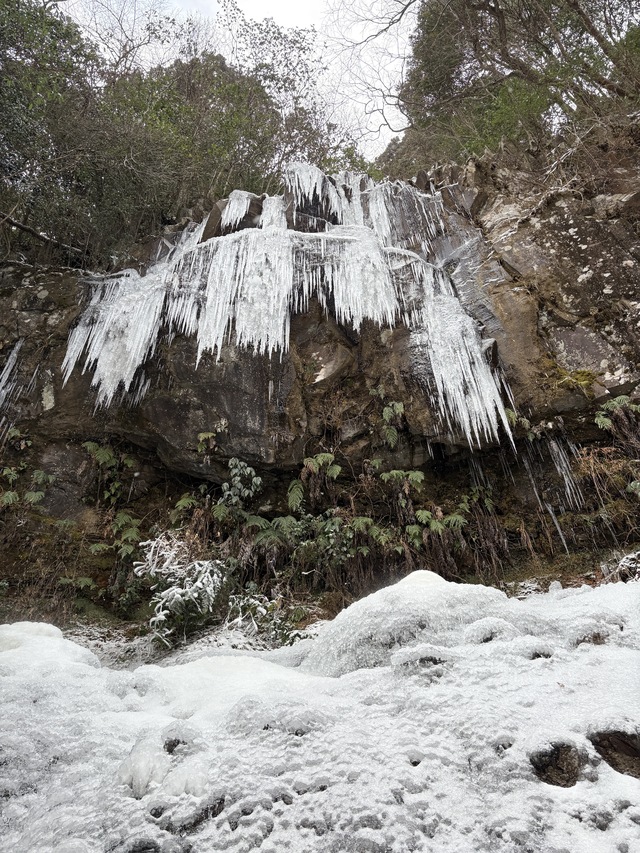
354 76
351 74
289 13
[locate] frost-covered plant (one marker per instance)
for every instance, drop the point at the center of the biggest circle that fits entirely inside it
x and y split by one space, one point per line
186 589
625 568
242 484
254 613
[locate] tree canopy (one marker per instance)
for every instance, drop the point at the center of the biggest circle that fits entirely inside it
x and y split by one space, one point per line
97 150
482 71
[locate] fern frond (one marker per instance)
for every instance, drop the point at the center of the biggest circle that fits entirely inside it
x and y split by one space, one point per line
295 495
256 521
454 521
361 523
220 512
423 516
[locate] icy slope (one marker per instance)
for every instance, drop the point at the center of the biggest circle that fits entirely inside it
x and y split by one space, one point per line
408 724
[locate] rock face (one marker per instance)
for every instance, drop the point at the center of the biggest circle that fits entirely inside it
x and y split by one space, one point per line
552 285
556 290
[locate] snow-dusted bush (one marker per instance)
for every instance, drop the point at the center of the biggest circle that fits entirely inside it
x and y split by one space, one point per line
186 589
625 568
254 613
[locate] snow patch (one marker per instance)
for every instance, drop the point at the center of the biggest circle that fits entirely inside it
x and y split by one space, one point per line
428 740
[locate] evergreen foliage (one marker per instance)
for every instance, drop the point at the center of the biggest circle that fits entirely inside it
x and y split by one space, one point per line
482 74
98 151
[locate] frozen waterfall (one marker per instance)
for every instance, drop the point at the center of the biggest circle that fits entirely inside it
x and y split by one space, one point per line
372 261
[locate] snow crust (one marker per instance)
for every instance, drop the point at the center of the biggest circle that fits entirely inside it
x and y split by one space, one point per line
376 261
406 724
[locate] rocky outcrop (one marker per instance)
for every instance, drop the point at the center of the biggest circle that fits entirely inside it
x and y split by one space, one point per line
574 267
552 284
554 288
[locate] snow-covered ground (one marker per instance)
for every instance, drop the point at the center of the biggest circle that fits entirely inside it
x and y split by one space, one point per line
407 724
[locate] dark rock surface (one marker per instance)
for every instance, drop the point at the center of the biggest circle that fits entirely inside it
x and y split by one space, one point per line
560 765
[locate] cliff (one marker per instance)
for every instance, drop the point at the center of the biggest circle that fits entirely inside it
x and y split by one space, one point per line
484 370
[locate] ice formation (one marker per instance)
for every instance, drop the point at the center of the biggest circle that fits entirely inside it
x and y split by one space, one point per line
11 387
236 208
411 722
559 452
374 260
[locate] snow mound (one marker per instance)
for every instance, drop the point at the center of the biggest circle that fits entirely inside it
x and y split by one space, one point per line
419 608
429 717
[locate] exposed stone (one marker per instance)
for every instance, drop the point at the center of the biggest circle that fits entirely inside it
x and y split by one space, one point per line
619 749
579 349
552 286
559 765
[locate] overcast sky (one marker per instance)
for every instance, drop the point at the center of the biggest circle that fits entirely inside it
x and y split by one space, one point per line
289 13
353 79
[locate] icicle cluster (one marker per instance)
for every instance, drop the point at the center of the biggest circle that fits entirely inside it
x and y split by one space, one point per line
11 388
374 265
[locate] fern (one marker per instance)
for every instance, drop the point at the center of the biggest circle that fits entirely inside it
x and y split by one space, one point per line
220 512
187 501
39 478
324 458
390 435
391 411
617 403
415 478
9 498
10 474
333 471
123 519
295 495
455 521
414 532
256 521
311 464
130 534
268 538
436 527
361 523
602 421
33 497
424 516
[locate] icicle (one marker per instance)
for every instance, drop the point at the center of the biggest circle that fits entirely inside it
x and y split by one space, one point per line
527 466
447 350
309 185
274 213
248 284
549 509
236 209
7 377
560 458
